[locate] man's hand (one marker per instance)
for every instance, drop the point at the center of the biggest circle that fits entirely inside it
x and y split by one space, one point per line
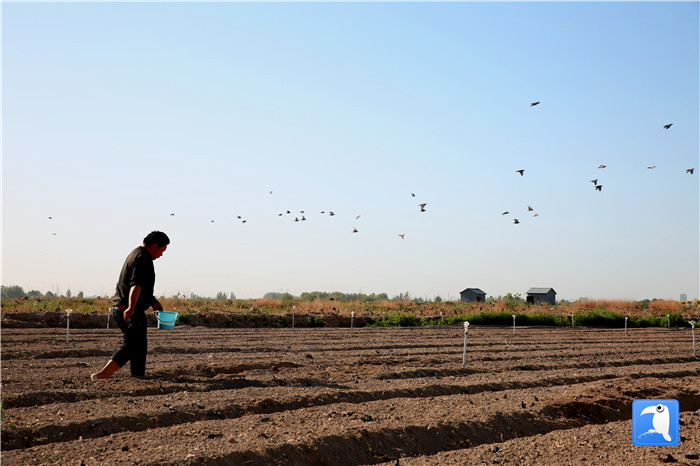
134 294
157 307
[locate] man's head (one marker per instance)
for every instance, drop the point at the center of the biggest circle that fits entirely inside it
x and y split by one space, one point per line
156 242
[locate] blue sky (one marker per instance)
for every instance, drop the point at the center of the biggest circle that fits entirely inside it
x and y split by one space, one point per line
116 115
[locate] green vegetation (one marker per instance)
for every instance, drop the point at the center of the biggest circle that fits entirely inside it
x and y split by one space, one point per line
316 322
396 319
593 318
185 317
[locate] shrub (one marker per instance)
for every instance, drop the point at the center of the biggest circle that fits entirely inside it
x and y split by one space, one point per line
648 321
395 319
316 322
600 317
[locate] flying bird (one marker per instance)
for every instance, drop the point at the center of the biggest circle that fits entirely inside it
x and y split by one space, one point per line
689 170
520 171
354 230
331 213
661 420
601 166
535 215
270 192
651 166
303 219
243 221
515 220
422 207
599 187
530 209
505 213
172 215
594 181
212 221
413 195
534 103
296 219
356 217
402 236
668 126
50 218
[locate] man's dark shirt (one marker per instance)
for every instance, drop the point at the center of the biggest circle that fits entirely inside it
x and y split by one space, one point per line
137 270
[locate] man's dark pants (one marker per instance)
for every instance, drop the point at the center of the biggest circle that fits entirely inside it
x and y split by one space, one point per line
135 344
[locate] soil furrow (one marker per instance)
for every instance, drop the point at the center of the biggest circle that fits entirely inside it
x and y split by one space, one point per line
376 431
171 413
290 396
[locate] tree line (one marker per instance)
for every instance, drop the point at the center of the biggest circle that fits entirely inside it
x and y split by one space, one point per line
331 296
15 291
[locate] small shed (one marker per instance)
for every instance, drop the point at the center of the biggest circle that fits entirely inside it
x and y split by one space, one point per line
541 296
472 295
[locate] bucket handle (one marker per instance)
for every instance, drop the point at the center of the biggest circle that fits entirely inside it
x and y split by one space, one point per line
166 321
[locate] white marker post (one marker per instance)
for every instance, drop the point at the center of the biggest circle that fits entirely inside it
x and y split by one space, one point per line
352 319
464 352
625 324
68 311
692 324
293 308
109 311
572 320
513 315
668 320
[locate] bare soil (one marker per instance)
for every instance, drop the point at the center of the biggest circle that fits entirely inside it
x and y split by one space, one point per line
324 396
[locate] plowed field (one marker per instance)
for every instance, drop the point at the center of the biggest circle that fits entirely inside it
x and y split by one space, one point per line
322 396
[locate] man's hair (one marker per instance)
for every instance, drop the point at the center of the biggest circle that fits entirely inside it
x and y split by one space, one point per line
158 237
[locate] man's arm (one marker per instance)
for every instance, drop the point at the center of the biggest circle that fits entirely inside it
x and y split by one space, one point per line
134 294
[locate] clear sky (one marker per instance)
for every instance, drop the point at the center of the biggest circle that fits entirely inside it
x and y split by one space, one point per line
117 115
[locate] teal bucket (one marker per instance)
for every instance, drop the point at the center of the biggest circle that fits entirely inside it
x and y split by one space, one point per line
166 319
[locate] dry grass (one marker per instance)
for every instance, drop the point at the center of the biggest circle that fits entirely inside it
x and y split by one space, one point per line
662 306
375 309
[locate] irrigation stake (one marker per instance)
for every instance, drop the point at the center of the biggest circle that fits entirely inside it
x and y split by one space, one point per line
625 324
293 308
109 311
692 324
668 320
68 311
513 315
572 320
464 352
352 319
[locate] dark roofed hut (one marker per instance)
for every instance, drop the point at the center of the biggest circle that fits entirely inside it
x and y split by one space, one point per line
541 296
472 295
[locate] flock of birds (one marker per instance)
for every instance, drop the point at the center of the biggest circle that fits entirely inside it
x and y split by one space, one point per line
598 187
422 205
330 213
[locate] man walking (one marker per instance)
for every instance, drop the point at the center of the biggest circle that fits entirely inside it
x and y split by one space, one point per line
134 296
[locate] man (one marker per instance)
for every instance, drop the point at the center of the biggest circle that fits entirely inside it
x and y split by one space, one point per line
134 296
